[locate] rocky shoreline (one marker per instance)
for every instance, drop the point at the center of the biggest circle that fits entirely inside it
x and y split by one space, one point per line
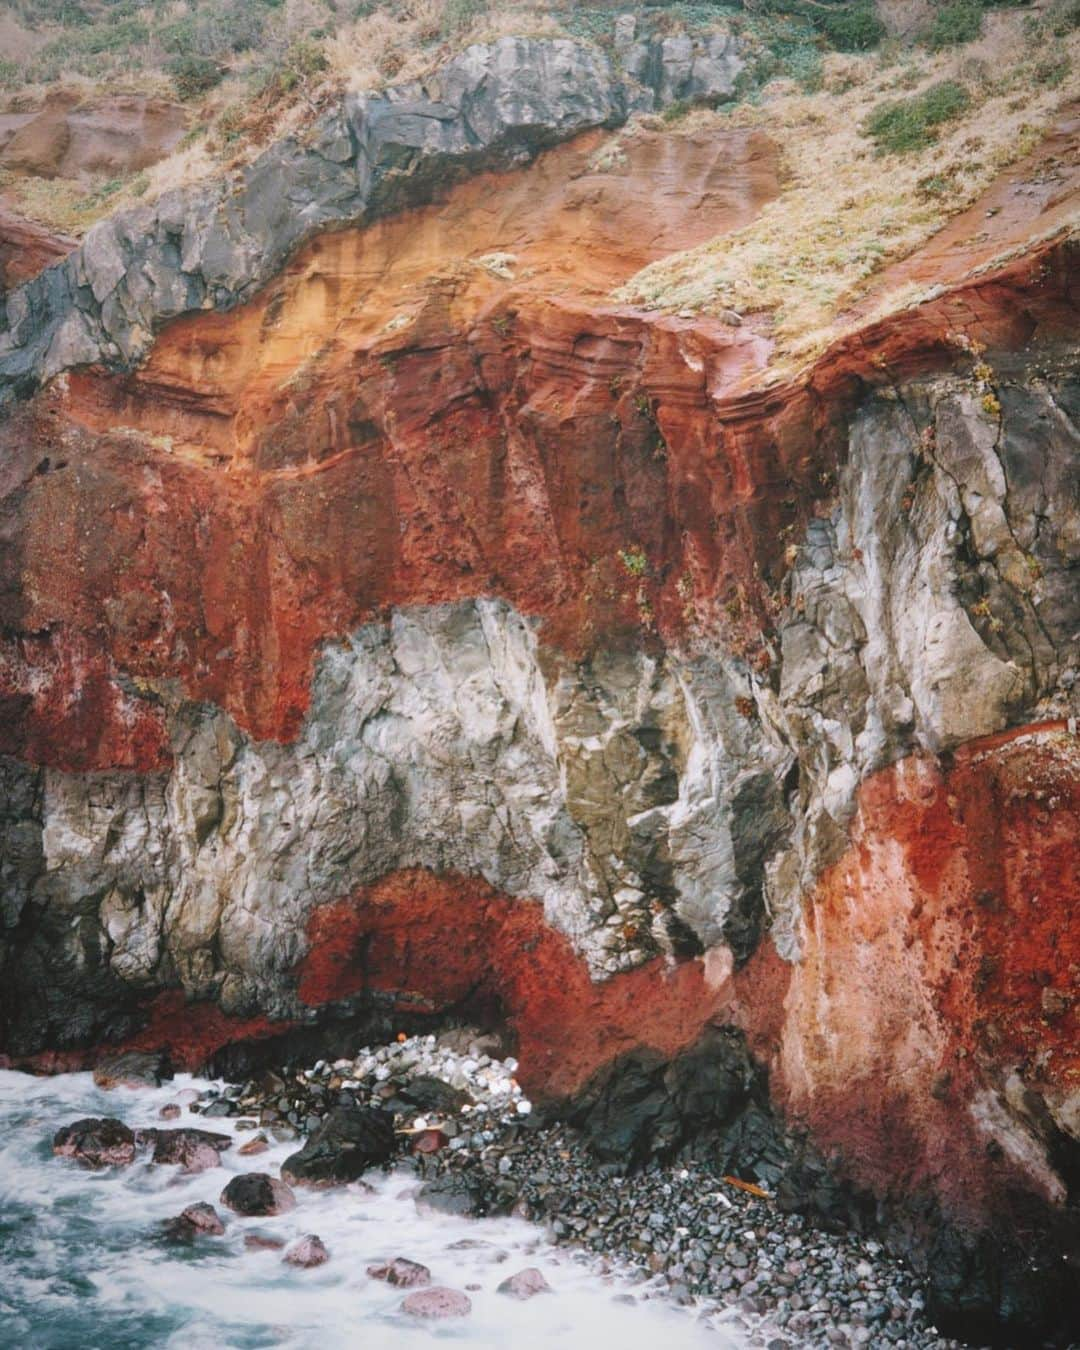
714 1242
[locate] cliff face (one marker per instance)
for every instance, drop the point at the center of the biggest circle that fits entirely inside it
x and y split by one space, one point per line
403 626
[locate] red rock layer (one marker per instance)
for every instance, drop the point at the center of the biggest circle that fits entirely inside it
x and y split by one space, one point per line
587 466
27 248
442 944
942 957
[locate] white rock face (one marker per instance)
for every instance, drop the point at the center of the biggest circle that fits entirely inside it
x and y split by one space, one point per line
932 607
630 793
443 741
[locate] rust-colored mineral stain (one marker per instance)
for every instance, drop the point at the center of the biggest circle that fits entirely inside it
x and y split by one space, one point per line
447 943
941 955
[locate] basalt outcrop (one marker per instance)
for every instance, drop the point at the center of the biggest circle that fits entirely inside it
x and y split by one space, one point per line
393 630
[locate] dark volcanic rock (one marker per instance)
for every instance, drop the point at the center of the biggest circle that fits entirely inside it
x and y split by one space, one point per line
453 1193
257 1193
133 1069
96 1143
644 1106
425 1093
349 1141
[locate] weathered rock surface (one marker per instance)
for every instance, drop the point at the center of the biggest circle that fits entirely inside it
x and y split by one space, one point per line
133 1069
487 651
193 1150
342 1148
199 1220
306 1252
96 1143
525 1284
491 106
70 138
402 1272
258 1194
437 1303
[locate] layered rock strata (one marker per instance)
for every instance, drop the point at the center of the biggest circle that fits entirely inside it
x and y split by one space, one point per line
412 634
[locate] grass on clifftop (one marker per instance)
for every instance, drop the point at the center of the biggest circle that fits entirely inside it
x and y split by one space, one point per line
874 163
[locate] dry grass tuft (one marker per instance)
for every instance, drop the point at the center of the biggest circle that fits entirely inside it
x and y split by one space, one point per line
844 211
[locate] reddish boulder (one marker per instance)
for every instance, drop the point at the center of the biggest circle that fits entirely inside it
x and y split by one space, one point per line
260 1242
437 1303
200 1220
307 1251
96 1143
170 1111
402 1272
525 1284
194 1150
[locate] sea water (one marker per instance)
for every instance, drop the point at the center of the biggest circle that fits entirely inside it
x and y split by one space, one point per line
84 1266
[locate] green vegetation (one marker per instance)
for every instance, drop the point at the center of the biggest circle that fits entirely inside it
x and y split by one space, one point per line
193 75
634 560
856 28
954 24
907 124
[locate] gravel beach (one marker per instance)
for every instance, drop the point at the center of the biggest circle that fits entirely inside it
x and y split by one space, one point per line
683 1232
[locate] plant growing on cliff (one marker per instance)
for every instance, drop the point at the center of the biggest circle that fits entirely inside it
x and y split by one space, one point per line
634 561
908 124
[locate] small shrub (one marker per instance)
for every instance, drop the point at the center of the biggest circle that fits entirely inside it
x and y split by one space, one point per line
911 123
1064 17
634 560
193 75
954 24
853 30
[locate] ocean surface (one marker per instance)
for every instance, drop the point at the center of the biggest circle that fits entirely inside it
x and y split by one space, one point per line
83 1265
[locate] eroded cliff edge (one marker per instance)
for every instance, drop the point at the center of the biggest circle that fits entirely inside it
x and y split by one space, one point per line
404 630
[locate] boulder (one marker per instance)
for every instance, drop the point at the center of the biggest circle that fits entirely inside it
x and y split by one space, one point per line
96 1142
258 1144
349 1141
306 1251
525 1284
199 1220
194 1150
262 1242
402 1272
437 1303
258 1194
452 1193
170 1111
132 1069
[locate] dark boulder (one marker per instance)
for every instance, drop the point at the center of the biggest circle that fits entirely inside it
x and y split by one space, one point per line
133 1069
349 1141
453 1193
258 1194
96 1143
426 1093
645 1106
